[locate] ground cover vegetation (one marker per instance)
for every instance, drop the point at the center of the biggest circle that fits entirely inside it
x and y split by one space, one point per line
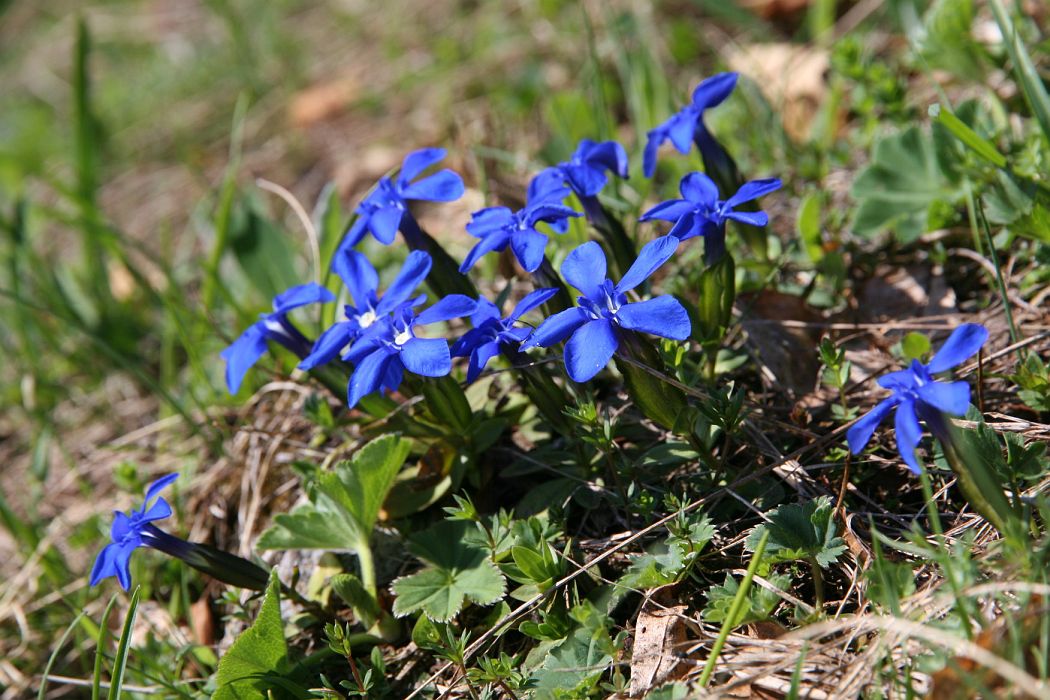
525 350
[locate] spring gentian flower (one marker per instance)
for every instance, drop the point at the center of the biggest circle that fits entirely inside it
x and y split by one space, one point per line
382 354
490 332
604 313
916 395
702 213
251 345
129 532
381 212
586 171
687 125
368 307
498 227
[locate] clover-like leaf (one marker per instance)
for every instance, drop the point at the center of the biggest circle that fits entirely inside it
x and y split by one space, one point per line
800 532
457 572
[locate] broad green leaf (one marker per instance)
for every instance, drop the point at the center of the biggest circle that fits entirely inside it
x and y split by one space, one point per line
262 250
915 346
800 532
947 41
319 525
258 656
369 476
350 589
900 186
457 572
578 661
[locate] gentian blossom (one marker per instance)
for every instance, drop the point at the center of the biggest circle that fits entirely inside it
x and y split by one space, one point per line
498 227
129 532
598 323
701 213
251 345
917 396
382 211
362 282
687 125
390 346
585 172
491 333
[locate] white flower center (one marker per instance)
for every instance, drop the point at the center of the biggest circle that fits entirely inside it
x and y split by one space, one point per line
367 318
403 337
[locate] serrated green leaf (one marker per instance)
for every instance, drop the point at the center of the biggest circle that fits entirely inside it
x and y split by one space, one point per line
578 661
947 41
800 532
258 656
761 601
458 572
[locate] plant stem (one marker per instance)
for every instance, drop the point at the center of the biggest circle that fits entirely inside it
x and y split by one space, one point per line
818 585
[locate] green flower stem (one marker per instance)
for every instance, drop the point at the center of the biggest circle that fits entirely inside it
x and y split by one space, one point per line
612 231
368 568
818 584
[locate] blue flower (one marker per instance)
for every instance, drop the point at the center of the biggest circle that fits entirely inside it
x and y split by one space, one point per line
916 395
498 227
129 532
604 312
390 346
490 332
687 125
586 171
381 211
251 345
702 213
362 282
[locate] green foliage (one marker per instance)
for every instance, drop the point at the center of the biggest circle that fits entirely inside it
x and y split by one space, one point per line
669 561
800 532
760 601
1033 379
574 667
352 592
947 42
914 346
456 572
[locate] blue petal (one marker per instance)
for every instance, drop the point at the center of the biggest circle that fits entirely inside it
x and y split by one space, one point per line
962 344
484 311
682 126
121 562
394 375
159 485
480 357
329 345
497 240
751 191
751 218
902 380
689 226
528 246
158 511
557 328
105 564
428 357
514 336
652 144
369 341
413 272
418 161
608 154
442 186
860 432
586 181
951 397
242 354
589 349
585 269
713 91
547 211
357 231
547 186
909 432
671 210
385 222
368 375
663 316
699 189
651 256
303 294
357 274
452 306
466 343
530 302
489 219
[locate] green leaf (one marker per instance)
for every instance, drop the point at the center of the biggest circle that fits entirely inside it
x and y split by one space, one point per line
350 589
800 532
915 346
1024 69
262 250
808 225
345 502
889 582
248 670
947 41
576 663
457 572
761 601
962 131
900 186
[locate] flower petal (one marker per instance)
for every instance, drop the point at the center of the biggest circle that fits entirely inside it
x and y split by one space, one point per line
385 222
242 354
418 161
751 218
950 397
530 301
860 432
909 432
357 274
713 91
690 226
671 210
159 485
301 295
610 155
663 316
105 564
699 189
484 311
329 345
442 186
752 190
452 306
368 375
557 328
547 186
428 357
158 511
585 180
962 344
589 349
682 126
528 246
489 219
585 269
652 144
413 272
901 380
652 255
496 240
480 357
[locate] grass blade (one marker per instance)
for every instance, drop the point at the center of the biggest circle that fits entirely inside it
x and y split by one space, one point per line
96 680
1024 70
121 661
54 655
